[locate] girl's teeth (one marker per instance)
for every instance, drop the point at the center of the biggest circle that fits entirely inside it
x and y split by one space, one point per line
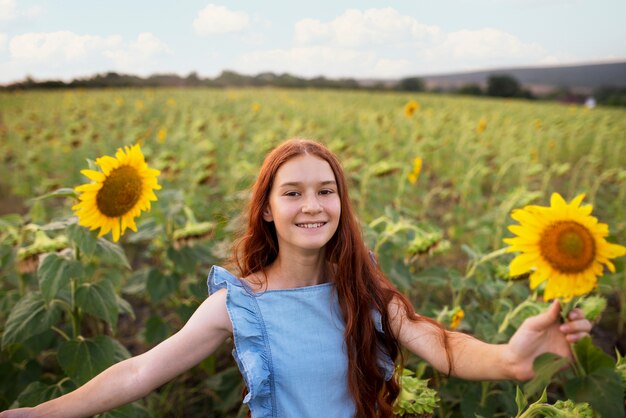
311 225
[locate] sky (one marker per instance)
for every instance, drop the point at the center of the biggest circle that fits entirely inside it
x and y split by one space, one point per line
62 40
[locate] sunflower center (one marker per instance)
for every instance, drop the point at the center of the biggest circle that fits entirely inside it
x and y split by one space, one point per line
568 246
120 191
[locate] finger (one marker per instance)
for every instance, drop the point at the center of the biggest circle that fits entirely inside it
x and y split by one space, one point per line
572 338
546 318
580 325
576 314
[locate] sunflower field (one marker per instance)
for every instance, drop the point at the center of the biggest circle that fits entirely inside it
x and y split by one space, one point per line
439 182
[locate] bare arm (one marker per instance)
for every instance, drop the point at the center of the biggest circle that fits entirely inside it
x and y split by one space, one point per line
136 377
473 359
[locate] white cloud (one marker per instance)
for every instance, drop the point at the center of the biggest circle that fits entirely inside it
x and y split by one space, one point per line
481 48
355 28
312 61
3 41
215 19
66 55
384 43
62 45
137 56
8 10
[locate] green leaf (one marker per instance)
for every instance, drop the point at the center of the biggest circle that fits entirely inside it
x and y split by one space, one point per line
6 256
545 367
590 357
227 386
99 299
602 389
160 285
84 358
133 410
59 225
84 239
155 330
184 259
111 253
37 393
121 353
520 399
62 192
29 317
124 306
55 273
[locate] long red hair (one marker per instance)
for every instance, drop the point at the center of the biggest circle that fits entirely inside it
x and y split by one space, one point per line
361 285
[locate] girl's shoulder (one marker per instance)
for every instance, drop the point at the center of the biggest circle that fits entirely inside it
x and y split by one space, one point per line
220 278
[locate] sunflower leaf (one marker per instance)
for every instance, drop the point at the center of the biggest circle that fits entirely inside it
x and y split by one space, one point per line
83 359
99 299
55 273
132 410
62 192
37 392
545 367
30 316
592 358
602 389
111 253
84 239
159 285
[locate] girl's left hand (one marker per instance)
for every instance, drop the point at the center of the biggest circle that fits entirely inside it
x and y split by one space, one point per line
544 333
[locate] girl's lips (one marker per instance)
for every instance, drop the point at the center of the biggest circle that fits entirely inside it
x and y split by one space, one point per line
311 225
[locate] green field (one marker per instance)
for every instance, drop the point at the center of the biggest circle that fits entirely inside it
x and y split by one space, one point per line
482 158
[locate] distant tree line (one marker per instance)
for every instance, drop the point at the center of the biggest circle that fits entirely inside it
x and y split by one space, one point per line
501 85
508 86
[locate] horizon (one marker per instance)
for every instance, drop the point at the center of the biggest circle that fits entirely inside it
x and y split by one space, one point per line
500 69
358 40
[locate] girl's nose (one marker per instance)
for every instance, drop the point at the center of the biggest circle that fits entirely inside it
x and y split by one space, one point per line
312 205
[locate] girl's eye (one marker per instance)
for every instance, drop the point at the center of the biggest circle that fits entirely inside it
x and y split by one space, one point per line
292 194
326 191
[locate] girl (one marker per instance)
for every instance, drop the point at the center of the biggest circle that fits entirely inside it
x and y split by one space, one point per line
317 327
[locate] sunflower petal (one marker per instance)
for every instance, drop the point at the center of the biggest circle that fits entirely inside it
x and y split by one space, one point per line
577 200
93 175
522 264
557 201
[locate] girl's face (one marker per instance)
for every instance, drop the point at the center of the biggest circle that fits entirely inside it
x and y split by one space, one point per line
304 204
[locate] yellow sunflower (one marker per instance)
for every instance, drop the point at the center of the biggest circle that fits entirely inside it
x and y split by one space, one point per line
457 317
563 245
410 108
118 194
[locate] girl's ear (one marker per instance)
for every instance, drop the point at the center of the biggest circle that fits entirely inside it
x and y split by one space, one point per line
267 214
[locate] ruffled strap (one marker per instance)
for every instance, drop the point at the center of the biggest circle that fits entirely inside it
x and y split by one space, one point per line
385 363
252 351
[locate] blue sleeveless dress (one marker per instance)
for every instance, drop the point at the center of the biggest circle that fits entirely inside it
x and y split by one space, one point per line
289 347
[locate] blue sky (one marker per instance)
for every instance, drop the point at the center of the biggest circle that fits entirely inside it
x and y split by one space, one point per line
361 39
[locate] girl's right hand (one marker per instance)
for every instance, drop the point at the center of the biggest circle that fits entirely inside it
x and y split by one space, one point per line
19 413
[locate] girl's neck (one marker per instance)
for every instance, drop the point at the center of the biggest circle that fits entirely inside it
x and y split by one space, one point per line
299 271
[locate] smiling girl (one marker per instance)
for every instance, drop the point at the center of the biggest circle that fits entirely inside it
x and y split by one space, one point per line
317 327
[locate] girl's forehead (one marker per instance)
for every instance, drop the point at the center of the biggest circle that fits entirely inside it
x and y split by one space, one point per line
305 168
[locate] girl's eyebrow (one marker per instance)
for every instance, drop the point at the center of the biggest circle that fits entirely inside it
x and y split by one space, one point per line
299 183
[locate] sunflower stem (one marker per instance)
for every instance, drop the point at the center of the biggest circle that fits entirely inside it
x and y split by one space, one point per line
484 394
487 257
622 303
578 368
565 310
74 311
61 333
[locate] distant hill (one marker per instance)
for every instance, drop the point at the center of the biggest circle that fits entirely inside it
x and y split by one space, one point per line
578 78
